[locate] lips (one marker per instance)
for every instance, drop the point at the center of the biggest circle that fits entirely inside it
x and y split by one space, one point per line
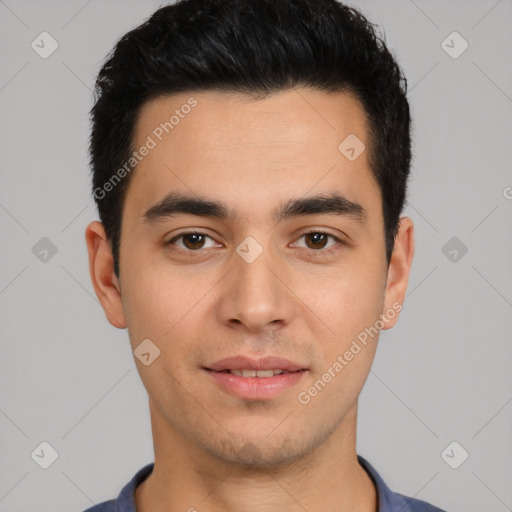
255 379
249 366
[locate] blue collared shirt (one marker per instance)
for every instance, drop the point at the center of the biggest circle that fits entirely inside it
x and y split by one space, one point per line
388 500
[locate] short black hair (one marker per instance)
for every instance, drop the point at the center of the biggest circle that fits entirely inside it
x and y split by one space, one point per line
254 47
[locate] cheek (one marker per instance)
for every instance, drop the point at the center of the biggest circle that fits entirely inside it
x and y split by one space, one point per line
168 307
349 300
351 309
160 309
156 297
349 306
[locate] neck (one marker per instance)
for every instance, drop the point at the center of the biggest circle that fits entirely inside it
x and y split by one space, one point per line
186 478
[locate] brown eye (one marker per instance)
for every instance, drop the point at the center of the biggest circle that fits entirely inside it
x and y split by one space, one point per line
316 240
319 242
193 241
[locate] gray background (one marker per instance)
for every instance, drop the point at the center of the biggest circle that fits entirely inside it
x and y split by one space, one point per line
441 375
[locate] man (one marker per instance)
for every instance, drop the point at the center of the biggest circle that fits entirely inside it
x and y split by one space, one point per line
250 161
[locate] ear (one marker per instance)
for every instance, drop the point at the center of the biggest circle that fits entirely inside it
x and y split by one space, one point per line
398 272
104 280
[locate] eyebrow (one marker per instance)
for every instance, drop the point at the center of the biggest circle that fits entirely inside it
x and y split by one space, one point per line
174 204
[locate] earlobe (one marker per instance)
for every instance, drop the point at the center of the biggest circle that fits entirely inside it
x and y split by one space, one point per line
104 280
398 272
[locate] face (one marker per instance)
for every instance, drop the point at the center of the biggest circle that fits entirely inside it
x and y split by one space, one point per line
271 246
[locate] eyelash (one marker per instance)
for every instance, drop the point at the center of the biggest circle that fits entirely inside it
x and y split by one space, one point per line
320 252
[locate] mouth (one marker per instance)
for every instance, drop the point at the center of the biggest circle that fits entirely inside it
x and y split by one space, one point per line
265 374
246 364
255 379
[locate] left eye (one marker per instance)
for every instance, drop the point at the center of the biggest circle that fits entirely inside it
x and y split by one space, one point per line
317 240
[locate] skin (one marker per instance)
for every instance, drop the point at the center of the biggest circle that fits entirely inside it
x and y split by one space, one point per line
291 301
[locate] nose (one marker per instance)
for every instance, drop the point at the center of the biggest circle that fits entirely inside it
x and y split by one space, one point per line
256 296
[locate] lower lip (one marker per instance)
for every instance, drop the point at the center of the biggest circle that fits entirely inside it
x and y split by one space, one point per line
256 388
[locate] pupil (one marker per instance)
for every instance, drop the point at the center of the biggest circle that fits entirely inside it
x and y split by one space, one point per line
318 237
196 241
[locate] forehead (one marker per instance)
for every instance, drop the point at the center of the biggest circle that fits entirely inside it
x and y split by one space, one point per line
248 153
302 116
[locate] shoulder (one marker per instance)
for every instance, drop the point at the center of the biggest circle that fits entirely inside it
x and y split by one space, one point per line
414 505
390 501
125 502
106 506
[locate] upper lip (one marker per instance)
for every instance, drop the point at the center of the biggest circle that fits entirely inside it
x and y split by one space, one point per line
246 363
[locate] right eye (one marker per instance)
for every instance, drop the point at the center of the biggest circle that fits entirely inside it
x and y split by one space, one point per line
193 241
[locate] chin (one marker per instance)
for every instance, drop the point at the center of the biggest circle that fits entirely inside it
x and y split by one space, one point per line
262 452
